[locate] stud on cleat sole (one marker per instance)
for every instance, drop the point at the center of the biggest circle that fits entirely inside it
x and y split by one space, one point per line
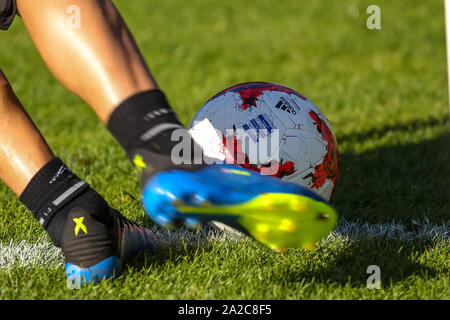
287 225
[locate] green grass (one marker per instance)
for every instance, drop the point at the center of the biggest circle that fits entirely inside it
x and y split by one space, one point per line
384 92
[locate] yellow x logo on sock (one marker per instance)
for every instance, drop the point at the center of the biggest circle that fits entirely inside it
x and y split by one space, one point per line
79 225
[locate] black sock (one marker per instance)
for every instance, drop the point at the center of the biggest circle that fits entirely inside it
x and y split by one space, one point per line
143 124
53 192
145 121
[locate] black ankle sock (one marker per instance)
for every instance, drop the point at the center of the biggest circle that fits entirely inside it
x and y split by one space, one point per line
53 192
145 121
143 124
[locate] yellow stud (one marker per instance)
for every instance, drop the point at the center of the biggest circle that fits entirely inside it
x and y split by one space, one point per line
288 225
302 207
263 228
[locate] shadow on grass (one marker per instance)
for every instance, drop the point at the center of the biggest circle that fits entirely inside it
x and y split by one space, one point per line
376 133
396 183
397 260
393 183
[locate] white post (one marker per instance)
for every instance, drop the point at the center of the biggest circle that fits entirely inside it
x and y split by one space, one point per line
447 28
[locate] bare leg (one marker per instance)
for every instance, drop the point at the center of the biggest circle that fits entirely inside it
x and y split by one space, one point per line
23 150
99 62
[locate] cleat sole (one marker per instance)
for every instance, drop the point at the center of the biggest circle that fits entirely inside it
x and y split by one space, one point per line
278 220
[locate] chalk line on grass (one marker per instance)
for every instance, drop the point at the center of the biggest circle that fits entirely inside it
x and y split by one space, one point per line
42 253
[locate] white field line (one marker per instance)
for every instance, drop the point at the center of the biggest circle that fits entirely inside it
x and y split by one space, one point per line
43 253
412 231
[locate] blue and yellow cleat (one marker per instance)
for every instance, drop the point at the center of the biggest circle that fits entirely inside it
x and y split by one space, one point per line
97 241
279 214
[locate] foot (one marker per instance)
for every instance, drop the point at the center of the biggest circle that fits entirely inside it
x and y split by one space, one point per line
96 243
279 214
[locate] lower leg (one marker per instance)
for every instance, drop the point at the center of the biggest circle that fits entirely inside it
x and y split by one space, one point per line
23 150
27 165
58 199
100 61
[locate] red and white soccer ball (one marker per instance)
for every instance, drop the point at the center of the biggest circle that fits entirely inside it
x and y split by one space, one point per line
306 148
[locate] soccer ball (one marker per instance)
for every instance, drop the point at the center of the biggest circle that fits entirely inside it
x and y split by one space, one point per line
271 129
